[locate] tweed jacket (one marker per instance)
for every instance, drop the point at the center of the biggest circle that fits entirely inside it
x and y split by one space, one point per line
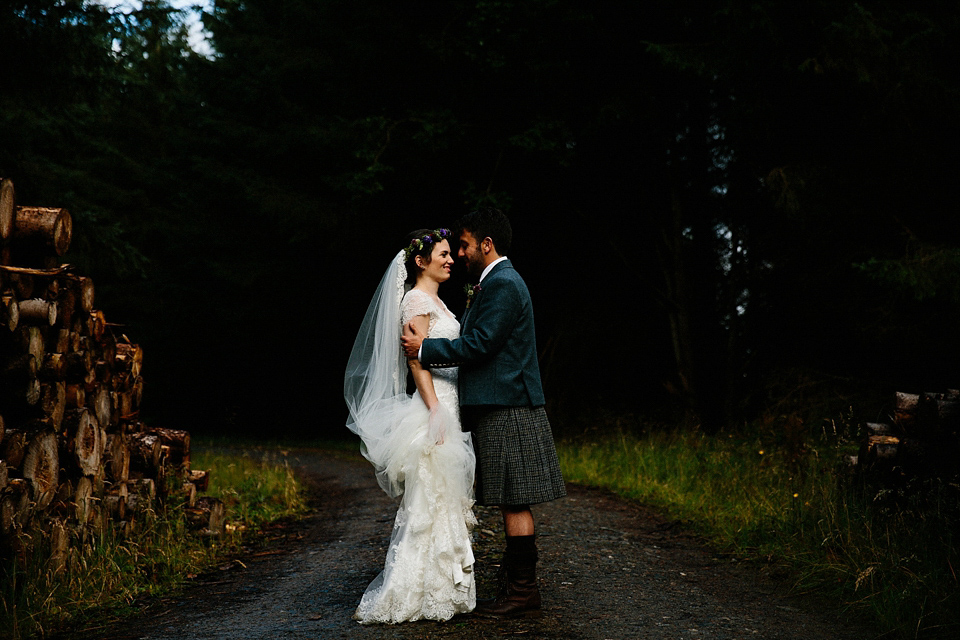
496 350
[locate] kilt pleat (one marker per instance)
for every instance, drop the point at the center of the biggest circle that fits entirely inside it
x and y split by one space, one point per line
516 459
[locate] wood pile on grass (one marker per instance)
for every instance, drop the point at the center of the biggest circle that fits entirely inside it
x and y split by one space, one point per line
75 457
921 439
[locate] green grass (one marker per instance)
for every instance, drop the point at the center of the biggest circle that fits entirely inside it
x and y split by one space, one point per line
106 570
888 553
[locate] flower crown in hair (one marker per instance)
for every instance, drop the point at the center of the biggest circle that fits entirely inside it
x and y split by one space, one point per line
417 244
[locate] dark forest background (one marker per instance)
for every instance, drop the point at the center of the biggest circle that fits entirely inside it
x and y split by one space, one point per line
726 211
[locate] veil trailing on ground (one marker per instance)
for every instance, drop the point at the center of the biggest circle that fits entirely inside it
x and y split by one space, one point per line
375 383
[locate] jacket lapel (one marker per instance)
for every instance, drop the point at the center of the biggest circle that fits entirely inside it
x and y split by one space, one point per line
476 298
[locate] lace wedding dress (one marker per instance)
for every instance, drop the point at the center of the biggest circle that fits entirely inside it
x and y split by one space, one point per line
428 573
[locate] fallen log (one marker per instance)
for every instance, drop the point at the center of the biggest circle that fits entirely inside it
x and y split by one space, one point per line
9 312
38 312
14 447
15 505
83 499
59 547
200 479
53 402
48 226
144 452
176 440
7 208
103 407
117 458
83 440
41 466
208 515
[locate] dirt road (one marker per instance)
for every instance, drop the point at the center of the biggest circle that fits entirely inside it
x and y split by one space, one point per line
609 569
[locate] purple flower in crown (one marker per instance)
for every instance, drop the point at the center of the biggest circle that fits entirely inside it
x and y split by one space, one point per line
417 244
471 290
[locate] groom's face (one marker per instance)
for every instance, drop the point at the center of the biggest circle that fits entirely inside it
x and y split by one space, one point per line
470 254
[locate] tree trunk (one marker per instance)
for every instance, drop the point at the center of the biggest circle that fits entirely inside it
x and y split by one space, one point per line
117 458
76 396
84 443
54 367
15 505
144 452
38 312
200 479
177 441
208 514
45 226
14 447
83 498
98 325
7 208
54 402
103 407
129 358
41 466
9 312
59 547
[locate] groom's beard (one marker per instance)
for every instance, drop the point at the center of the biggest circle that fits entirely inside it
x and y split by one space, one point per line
474 269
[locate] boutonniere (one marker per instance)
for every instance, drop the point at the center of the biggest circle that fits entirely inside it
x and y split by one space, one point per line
471 290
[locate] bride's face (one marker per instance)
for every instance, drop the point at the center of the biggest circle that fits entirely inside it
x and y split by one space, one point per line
441 262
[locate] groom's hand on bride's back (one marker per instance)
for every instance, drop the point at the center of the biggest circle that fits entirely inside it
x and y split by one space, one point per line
411 339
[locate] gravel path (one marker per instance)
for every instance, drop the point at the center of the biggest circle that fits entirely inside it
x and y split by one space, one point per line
609 569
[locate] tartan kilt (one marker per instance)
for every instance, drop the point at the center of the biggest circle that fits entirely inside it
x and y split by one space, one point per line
516 458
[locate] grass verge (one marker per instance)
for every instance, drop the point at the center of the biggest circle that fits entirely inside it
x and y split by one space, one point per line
888 552
106 569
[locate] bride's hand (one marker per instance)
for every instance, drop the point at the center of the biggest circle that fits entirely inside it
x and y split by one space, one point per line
412 338
437 427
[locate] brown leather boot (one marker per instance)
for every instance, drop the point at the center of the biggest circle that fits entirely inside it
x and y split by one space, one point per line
501 586
522 596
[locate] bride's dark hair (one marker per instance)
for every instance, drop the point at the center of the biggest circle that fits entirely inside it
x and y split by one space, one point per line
425 250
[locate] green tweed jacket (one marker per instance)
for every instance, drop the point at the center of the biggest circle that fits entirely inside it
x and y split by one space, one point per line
497 349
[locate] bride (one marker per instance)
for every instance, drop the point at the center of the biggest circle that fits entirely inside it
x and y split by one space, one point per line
415 442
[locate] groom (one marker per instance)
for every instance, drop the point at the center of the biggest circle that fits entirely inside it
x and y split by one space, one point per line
501 402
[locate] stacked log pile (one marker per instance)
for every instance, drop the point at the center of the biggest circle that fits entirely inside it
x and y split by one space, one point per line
74 455
921 439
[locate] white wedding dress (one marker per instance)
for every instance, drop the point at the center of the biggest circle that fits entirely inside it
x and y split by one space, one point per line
428 573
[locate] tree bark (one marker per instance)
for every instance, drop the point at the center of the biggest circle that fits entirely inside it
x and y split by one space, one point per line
84 445
117 458
14 505
59 547
54 402
144 452
7 208
200 479
129 358
48 226
38 312
54 367
103 407
83 498
208 514
41 466
14 447
178 442
9 312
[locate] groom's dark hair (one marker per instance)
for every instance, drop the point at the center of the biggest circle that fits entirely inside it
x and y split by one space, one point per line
488 222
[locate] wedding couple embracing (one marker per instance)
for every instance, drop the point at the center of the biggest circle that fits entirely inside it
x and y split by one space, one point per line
476 419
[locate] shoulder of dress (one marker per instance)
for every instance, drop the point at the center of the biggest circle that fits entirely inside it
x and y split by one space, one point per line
415 294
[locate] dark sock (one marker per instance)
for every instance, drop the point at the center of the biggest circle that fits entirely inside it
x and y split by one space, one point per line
522 549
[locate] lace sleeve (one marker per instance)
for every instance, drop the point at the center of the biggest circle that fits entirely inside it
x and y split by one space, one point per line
415 303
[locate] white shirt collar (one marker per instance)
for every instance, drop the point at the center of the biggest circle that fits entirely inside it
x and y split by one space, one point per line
490 266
